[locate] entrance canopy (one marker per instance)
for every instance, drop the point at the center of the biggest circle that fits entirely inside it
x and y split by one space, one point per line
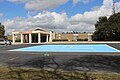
33 36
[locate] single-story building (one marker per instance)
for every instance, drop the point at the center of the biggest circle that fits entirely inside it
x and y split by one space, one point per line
41 35
74 36
33 36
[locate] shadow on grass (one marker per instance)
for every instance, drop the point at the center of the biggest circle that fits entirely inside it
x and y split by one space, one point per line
50 68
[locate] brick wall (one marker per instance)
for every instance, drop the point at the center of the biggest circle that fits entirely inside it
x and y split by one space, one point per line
70 37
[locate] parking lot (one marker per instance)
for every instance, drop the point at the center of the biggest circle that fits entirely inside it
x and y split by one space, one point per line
7 56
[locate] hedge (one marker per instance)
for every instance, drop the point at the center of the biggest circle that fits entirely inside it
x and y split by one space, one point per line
54 40
82 39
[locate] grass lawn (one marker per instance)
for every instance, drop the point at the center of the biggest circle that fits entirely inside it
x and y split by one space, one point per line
12 73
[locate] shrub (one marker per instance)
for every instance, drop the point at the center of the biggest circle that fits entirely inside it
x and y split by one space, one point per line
17 40
82 39
54 40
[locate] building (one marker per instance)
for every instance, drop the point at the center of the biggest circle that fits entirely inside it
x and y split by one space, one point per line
9 37
40 35
75 36
33 36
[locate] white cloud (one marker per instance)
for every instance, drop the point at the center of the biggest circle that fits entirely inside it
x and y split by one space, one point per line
81 27
38 5
19 1
87 20
50 20
96 8
43 4
47 20
84 1
117 7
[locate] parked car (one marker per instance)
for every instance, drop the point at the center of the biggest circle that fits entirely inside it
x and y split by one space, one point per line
5 42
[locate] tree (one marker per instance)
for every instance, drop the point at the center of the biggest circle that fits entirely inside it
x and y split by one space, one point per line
2 30
114 22
108 29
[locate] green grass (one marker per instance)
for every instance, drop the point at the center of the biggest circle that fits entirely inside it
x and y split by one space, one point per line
13 73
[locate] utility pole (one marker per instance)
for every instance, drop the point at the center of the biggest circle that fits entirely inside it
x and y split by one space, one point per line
113 6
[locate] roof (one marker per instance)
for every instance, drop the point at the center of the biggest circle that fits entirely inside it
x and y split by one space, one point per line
40 29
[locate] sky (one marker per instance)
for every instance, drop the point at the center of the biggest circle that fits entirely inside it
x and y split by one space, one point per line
55 15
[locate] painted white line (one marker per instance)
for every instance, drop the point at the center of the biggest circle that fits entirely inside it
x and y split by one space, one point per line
13 50
13 58
113 48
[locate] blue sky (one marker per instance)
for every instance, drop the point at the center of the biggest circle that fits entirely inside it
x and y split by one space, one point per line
71 9
12 10
56 15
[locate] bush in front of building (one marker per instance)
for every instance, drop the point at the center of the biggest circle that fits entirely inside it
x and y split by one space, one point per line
55 40
17 40
82 39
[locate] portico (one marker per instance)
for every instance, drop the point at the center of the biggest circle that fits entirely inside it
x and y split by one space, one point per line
33 36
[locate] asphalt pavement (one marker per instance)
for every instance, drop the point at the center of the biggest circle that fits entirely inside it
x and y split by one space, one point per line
7 57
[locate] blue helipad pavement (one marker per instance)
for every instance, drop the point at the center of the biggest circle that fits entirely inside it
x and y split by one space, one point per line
69 48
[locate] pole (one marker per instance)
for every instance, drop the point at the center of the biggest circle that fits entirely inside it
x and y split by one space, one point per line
113 6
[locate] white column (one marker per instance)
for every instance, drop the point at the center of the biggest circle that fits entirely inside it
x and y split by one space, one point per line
13 38
39 38
21 38
90 37
47 38
30 38
50 38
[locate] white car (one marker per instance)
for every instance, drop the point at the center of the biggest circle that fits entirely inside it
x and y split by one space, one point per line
5 42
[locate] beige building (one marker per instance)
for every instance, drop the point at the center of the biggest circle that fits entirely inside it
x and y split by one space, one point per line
33 36
41 35
74 37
